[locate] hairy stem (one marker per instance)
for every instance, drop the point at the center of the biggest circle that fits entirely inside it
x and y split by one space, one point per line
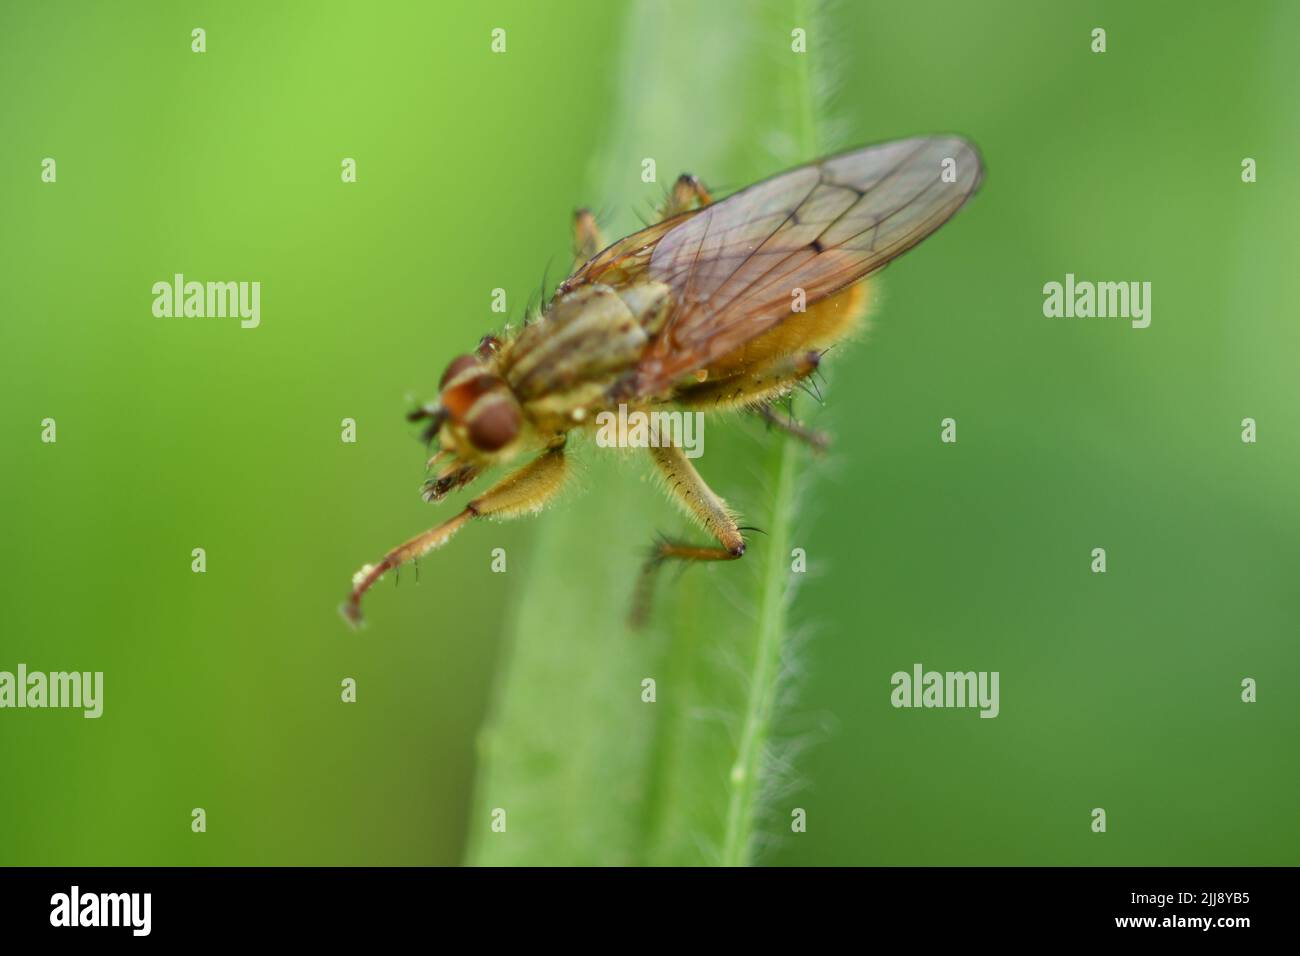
763 681
745 780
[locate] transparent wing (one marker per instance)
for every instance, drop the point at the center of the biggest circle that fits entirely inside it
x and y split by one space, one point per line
735 265
625 261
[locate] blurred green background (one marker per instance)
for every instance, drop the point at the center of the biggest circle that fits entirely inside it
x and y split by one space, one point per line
222 689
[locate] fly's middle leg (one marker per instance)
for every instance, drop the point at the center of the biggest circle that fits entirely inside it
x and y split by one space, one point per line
756 385
701 503
756 388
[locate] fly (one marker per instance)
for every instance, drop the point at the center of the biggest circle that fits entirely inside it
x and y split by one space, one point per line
719 305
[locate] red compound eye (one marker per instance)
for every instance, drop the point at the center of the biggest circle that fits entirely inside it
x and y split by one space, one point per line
494 424
458 365
460 397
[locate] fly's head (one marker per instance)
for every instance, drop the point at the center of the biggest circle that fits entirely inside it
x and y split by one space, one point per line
476 422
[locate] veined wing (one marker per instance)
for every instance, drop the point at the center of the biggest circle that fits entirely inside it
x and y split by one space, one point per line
734 266
627 260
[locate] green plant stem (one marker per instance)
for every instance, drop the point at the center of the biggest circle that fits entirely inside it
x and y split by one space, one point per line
744 780
746 773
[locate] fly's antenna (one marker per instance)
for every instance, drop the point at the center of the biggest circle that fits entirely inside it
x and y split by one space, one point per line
435 414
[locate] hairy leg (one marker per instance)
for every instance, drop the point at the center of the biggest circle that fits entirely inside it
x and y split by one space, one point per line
815 439
700 502
686 192
756 388
525 491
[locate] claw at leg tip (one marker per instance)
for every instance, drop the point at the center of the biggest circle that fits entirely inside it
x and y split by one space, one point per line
351 612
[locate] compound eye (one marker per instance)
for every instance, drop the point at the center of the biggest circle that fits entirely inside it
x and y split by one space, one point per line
493 424
458 365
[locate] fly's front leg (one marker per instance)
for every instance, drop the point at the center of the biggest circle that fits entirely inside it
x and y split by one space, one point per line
525 491
699 501
685 193
587 240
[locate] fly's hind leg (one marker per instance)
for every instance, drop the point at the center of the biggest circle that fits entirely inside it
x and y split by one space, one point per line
782 359
815 439
756 389
524 492
699 501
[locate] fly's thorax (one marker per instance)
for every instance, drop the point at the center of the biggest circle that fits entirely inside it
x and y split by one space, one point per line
586 341
649 302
